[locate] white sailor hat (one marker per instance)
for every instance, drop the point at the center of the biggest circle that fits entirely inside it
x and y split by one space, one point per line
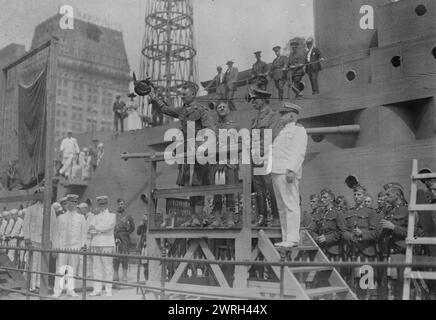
102 199
290 107
14 212
72 197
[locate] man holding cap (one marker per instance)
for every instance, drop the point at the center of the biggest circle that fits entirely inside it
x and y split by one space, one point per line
70 234
101 231
297 60
230 79
313 64
278 70
69 148
288 153
218 84
259 71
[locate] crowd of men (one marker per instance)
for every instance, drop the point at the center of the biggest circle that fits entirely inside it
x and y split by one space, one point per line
78 164
74 226
304 58
368 230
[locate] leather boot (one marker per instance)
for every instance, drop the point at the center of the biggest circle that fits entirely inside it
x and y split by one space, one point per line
230 217
195 223
124 279
217 221
116 276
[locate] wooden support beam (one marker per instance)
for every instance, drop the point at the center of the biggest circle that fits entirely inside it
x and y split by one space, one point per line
244 239
22 198
182 266
270 253
422 207
219 275
28 55
197 191
49 155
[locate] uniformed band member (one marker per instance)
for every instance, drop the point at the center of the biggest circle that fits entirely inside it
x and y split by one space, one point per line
313 64
327 227
341 202
123 228
288 153
225 216
70 234
190 111
265 118
278 71
259 71
361 225
101 230
381 203
296 64
394 232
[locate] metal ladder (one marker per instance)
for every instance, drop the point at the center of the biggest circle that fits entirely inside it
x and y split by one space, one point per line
411 240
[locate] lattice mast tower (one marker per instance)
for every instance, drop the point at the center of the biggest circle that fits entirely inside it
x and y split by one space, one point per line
168 47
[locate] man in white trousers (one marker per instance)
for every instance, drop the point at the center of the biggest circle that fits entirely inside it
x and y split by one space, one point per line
15 233
288 152
101 229
69 148
70 234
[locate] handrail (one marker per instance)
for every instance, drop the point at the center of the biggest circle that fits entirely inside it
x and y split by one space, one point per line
234 262
189 291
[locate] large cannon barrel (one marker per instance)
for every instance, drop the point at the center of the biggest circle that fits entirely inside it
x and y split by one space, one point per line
314 132
349 129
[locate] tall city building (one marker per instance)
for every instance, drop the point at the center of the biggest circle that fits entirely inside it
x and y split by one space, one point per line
92 69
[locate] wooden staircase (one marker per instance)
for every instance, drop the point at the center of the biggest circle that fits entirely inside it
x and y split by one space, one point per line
301 283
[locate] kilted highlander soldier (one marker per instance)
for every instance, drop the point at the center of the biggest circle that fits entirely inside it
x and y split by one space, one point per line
123 228
361 225
229 170
199 114
393 235
278 71
266 119
259 72
327 227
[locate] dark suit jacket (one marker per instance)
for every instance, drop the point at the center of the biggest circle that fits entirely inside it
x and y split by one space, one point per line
315 56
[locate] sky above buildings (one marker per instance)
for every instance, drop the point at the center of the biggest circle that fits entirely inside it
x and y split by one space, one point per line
224 29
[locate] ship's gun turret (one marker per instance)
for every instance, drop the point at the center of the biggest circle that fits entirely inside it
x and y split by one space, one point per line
318 134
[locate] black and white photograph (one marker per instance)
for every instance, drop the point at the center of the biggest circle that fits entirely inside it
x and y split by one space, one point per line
202 152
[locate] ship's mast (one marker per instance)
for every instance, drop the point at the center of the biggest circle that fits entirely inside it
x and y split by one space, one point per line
168 51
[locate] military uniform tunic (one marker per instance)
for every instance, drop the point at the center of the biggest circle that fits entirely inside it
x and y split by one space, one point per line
367 220
262 184
330 223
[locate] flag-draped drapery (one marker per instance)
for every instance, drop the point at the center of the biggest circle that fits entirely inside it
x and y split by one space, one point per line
32 124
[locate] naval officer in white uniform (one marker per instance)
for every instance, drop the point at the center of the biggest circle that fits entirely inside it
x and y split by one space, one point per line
101 229
288 153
